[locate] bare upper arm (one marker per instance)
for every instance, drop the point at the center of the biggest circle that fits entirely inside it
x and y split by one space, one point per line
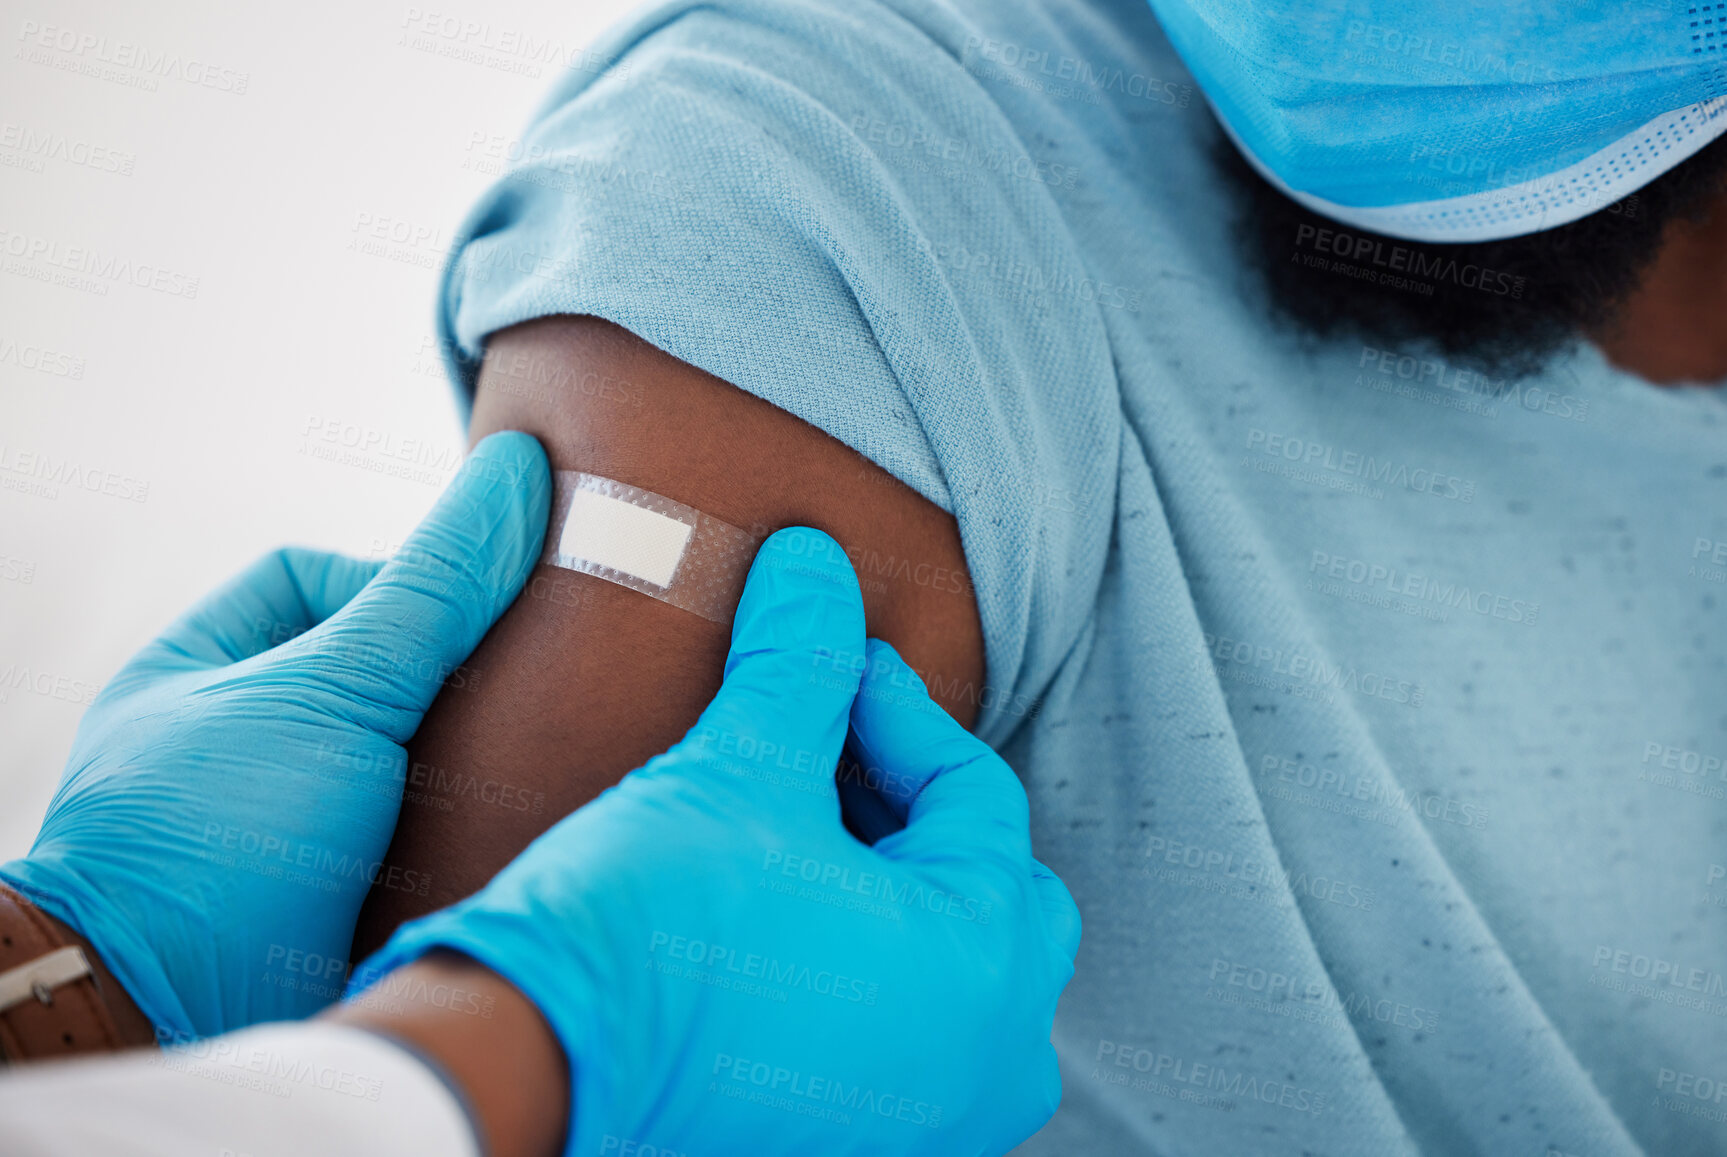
583 680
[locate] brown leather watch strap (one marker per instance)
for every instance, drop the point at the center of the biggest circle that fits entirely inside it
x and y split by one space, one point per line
50 1003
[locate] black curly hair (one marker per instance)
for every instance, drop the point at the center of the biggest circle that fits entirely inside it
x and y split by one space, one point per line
1504 306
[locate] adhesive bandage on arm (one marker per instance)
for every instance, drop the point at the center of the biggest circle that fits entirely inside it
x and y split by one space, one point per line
649 543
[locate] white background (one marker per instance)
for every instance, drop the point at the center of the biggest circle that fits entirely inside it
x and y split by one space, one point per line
344 125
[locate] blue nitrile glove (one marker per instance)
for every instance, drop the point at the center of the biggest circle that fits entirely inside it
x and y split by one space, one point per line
730 971
231 792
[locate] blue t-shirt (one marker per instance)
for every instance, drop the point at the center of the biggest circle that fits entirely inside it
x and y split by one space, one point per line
1374 712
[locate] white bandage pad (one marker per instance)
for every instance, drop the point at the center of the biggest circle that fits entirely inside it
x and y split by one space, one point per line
610 532
649 543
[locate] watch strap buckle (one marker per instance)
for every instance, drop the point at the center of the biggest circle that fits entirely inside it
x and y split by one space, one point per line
39 978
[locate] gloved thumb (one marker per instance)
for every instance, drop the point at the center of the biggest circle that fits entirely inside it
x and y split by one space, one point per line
382 658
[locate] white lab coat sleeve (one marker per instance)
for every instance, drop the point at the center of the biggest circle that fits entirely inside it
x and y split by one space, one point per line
278 1090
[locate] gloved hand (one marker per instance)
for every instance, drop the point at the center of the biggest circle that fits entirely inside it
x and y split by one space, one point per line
729 970
231 792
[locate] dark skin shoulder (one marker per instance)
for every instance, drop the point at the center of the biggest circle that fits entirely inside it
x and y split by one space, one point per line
583 680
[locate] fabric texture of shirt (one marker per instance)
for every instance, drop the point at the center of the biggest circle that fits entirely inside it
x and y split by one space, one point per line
1372 711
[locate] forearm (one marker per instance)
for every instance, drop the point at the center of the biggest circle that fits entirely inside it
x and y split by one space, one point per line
486 1036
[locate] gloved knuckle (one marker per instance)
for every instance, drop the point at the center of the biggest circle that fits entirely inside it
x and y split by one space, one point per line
449 580
1050 1089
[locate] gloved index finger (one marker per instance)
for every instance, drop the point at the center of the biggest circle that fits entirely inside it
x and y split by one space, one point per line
797 649
1060 913
282 595
958 795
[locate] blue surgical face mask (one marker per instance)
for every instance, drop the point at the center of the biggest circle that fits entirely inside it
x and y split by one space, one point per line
1458 120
